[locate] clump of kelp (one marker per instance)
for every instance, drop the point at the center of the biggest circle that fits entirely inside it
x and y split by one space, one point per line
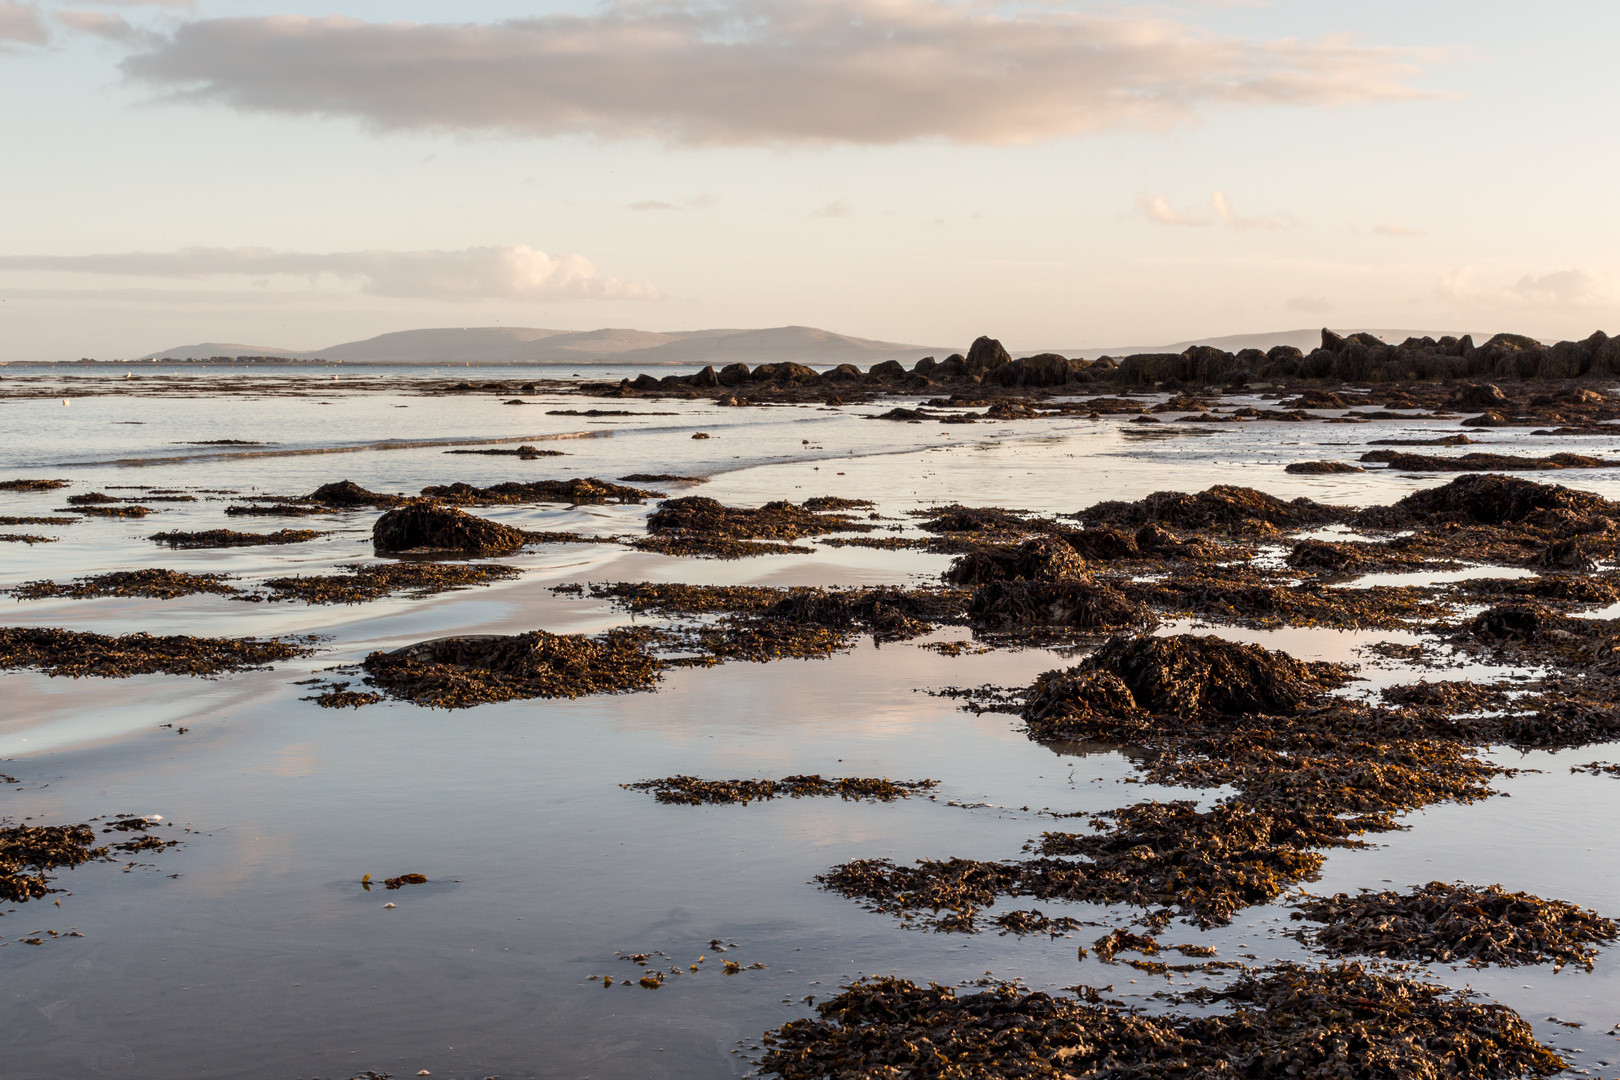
1285 1020
224 538
1446 923
691 791
155 584
78 653
459 672
695 525
28 853
361 583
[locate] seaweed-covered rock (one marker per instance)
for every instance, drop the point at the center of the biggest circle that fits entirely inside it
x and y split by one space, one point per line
1323 555
428 526
459 672
1487 499
347 493
579 489
1077 605
1322 468
1221 505
1192 674
1103 543
1044 558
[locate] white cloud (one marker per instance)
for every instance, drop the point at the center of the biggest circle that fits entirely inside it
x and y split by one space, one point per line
1230 218
749 72
835 209
513 272
1157 208
1571 288
21 23
1389 228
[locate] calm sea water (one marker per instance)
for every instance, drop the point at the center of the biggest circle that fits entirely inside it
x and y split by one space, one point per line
253 951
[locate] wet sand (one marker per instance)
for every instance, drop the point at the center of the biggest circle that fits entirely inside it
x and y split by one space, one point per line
254 951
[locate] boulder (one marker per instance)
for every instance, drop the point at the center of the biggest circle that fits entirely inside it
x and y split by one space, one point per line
986 354
428 526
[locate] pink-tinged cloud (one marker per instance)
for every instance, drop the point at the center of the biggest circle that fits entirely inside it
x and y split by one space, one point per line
22 24
509 272
773 72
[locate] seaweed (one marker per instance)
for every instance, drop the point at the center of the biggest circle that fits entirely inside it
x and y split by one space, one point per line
691 791
1239 508
704 518
1446 923
1287 1020
1075 605
459 672
1485 499
26 538
78 653
427 526
1478 462
348 495
223 538
371 582
121 510
1322 468
526 452
1043 558
662 478
157 584
29 852
580 489
33 485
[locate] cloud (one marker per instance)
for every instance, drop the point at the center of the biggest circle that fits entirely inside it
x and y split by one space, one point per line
835 209
103 25
1157 208
1315 305
21 23
513 272
1230 218
1389 228
698 202
768 72
1572 288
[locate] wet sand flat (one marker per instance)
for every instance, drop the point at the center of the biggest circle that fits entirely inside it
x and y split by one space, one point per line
254 950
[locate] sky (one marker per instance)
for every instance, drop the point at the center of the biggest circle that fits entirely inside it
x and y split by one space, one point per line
1055 174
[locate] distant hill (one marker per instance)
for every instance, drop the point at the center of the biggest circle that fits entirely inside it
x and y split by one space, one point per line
528 345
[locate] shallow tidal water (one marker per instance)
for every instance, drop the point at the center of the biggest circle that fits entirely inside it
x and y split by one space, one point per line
253 951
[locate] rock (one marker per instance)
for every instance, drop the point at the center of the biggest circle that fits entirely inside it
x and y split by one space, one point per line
1193 674
888 369
926 365
986 354
428 526
732 374
706 378
844 373
348 493
1478 395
